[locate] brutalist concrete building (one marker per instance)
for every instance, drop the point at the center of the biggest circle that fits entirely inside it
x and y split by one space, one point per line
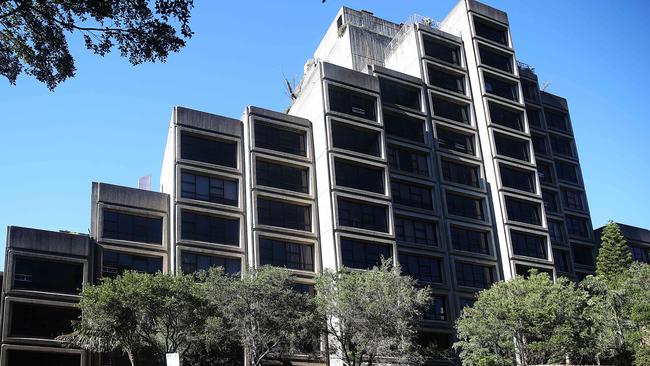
422 141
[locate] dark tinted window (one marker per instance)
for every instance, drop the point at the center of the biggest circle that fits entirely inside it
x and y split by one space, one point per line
469 207
562 145
506 117
123 226
504 89
514 148
533 117
550 201
194 262
208 228
491 31
276 138
362 215
423 269
210 189
363 254
544 172
354 103
561 260
206 150
529 90
446 80
407 160
437 341
555 231
115 263
539 144
399 94
22 357
413 195
572 199
474 275
556 120
363 177
528 245
524 271
283 214
47 275
450 110
437 309
456 141
523 180
495 59
282 253
566 171
469 240
415 231
41 321
363 141
460 173
640 254
403 126
583 254
282 176
523 211
441 51
577 226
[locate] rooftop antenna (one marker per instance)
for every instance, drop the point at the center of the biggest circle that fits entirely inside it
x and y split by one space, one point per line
144 182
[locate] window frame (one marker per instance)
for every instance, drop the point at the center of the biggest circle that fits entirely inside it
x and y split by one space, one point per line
101 206
385 181
208 252
281 125
315 244
287 162
135 252
212 174
210 212
373 94
450 98
331 120
212 136
284 199
342 236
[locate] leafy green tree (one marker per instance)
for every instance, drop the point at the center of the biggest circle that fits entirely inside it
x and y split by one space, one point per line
637 292
33 33
371 315
528 321
614 256
269 318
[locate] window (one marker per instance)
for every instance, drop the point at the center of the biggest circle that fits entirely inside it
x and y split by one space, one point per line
415 231
640 254
437 309
556 120
523 180
561 259
209 229
469 240
460 173
362 215
529 90
528 245
282 253
572 199
566 171
47 275
446 80
442 51
407 160
303 288
533 117
524 271
459 205
474 275
123 226
577 226
555 231
464 302
523 211
19 357
363 177
495 59
363 254
276 138
562 145
413 195
289 177
513 148
211 189
491 31
506 117
195 262
283 214
207 150
539 144
399 94
437 341
450 110
403 126
503 89
448 139
550 201
544 172
583 254
353 103
115 263
40 321
348 137
423 269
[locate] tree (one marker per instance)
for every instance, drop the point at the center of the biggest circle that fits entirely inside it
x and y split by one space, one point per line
637 292
267 316
33 33
371 315
528 321
614 255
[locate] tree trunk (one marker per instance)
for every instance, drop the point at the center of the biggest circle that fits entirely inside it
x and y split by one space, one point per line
131 358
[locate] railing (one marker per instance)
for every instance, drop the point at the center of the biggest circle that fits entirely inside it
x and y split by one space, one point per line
525 67
406 26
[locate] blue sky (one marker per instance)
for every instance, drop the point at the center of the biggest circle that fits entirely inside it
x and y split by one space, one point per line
109 123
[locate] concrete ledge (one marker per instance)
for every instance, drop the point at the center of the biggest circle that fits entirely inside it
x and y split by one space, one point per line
396 74
350 77
487 11
267 113
110 193
48 241
553 100
207 121
439 33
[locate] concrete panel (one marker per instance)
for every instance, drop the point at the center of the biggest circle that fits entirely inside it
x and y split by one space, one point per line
350 77
487 11
48 241
207 121
261 112
553 100
133 197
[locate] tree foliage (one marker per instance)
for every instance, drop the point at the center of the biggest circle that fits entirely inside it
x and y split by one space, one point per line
614 256
371 315
33 34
